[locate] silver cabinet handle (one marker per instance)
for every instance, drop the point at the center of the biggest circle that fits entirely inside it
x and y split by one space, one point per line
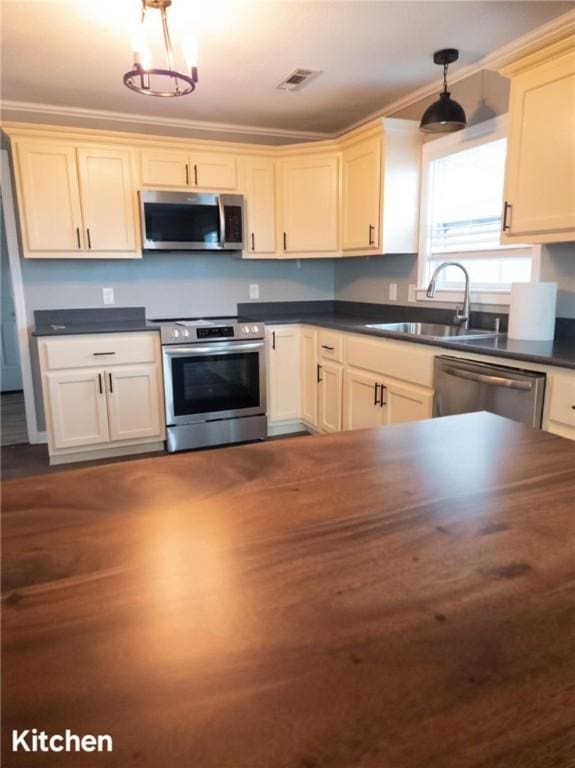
484 378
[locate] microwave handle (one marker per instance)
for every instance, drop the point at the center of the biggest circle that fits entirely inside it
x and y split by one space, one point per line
222 222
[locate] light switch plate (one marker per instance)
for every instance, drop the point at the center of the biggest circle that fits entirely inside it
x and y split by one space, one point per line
411 293
254 291
393 291
108 296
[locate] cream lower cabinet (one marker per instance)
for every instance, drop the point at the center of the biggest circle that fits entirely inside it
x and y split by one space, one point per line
330 396
103 394
406 402
284 367
560 404
361 400
309 377
77 407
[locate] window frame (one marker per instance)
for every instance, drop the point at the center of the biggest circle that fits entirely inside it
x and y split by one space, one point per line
468 138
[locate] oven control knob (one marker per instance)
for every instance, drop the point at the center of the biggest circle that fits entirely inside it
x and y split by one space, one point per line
175 333
246 329
255 329
185 332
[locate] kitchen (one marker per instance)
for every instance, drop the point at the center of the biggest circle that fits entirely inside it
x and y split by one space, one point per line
328 296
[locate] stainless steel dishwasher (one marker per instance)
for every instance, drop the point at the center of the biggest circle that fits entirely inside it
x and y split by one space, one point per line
463 386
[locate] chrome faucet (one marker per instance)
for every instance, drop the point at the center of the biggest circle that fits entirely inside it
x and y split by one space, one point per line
461 318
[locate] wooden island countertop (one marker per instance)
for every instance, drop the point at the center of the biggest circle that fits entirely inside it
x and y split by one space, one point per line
401 597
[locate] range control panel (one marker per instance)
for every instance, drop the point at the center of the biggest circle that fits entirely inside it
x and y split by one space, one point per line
197 331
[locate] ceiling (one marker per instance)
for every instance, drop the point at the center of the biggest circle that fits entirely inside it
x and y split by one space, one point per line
72 54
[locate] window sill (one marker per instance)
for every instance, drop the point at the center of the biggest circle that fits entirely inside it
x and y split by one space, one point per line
488 297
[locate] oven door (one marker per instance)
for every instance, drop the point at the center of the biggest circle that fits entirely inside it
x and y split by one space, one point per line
211 381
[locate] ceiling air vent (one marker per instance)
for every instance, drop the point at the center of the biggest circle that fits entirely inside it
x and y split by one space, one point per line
297 79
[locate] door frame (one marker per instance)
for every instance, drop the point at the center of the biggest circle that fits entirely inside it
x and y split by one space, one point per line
22 328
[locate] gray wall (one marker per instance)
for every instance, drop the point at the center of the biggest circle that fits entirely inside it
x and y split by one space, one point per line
483 96
174 284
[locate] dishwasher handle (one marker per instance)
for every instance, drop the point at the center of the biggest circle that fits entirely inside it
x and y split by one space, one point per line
484 378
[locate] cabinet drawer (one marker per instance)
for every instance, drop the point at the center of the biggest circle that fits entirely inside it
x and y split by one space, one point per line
99 349
330 346
402 360
562 403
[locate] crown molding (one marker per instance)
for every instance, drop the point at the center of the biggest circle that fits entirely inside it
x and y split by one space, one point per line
503 60
551 33
51 111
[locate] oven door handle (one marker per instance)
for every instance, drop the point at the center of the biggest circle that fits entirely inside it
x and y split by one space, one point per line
206 349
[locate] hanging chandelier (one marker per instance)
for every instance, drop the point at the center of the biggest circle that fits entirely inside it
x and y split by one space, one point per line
445 115
160 81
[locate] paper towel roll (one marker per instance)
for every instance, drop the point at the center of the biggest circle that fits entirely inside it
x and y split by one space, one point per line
532 311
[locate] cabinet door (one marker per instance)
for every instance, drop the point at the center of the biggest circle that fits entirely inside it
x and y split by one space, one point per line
50 212
309 377
260 206
330 397
283 360
361 400
540 172
309 204
77 408
361 192
134 402
165 168
106 192
211 170
406 402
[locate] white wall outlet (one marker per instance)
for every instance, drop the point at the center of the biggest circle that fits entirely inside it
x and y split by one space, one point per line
411 293
108 296
393 291
254 290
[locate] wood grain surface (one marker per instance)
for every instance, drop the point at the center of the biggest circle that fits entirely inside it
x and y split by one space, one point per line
393 598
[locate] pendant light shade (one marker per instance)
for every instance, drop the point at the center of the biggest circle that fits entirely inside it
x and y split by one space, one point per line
445 115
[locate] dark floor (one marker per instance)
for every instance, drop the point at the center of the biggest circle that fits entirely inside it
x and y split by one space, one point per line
13 419
26 460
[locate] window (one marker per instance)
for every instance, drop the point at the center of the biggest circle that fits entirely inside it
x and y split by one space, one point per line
462 196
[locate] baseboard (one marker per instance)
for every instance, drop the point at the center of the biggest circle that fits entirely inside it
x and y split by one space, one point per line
286 428
107 453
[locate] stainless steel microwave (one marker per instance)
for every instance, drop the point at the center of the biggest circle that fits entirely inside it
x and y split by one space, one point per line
187 221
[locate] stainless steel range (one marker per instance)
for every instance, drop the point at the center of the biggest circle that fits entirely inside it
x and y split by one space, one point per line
214 381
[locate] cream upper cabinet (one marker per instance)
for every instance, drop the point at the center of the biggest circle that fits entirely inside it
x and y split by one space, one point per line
309 202
49 197
284 366
76 201
76 412
133 395
330 396
167 168
164 168
405 402
260 206
309 377
361 400
214 170
106 191
540 168
361 193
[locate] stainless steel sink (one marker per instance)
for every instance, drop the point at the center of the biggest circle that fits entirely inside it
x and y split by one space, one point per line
432 330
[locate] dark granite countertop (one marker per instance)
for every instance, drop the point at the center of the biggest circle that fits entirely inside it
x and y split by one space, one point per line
560 352
66 322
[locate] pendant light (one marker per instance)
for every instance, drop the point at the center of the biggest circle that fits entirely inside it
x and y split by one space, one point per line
445 115
164 81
